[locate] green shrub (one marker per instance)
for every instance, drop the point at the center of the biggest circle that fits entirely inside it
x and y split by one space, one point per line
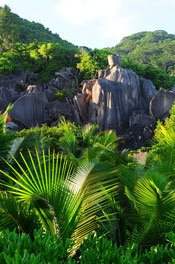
101 250
163 147
44 249
158 76
77 142
15 249
92 61
49 136
44 59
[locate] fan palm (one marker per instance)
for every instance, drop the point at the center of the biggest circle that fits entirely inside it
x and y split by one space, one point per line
150 206
64 198
14 214
89 143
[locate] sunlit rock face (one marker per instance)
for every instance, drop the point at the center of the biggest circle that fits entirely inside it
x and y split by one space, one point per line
117 100
112 102
122 101
116 95
114 59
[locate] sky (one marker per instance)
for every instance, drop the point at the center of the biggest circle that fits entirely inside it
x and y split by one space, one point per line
97 23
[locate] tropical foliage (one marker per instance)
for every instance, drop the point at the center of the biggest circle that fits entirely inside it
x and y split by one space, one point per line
42 59
49 249
64 183
64 198
6 140
73 193
8 29
78 142
90 62
41 249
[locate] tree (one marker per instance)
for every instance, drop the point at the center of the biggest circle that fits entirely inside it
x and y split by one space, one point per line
8 29
88 68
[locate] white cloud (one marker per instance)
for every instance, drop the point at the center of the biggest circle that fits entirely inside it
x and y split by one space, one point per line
3 2
116 28
105 22
84 11
114 20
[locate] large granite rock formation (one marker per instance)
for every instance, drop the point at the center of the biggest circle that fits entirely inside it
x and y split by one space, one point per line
114 97
117 100
122 101
34 104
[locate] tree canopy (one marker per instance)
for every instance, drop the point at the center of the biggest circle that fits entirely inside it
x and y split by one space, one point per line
155 48
8 29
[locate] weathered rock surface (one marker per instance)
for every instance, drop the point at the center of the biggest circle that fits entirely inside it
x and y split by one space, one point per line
122 101
147 91
117 100
13 80
117 96
12 126
7 95
3 105
28 111
173 89
114 60
108 98
161 103
140 118
31 101
67 77
56 109
34 88
81 105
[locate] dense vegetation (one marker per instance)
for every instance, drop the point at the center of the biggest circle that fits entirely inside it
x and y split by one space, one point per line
72 181
49 249
29 46
43 59
31 32
67 194
155 48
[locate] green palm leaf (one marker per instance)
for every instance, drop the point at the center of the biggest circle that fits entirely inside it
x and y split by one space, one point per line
155 205
16 215
66 199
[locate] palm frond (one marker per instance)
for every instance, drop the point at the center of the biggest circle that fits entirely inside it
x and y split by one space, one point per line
66 199
14 214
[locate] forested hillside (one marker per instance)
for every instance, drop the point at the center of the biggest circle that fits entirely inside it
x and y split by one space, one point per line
155 48
32 31
16 29
30 46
